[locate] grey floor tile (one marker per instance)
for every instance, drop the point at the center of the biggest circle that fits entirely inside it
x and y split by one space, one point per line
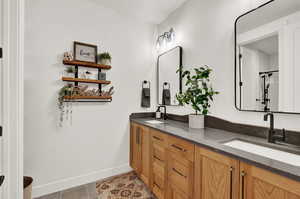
92 190
50 196
75 193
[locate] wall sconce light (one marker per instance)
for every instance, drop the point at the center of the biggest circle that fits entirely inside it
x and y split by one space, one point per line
164 40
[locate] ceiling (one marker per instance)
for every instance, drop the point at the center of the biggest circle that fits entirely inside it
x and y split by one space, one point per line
268 45
149 11
271 12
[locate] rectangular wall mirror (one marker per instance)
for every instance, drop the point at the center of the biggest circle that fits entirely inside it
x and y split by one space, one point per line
267 60
168 80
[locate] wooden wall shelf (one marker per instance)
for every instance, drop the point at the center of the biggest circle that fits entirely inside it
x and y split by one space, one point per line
86 64
88 97
91 81
77 80
75 98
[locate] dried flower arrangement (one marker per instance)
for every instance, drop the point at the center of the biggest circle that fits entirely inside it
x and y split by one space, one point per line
68 56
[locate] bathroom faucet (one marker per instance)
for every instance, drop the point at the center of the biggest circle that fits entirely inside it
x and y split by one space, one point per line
272 138
271 129
165 111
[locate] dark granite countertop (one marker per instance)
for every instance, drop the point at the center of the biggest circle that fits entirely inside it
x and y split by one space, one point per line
214 138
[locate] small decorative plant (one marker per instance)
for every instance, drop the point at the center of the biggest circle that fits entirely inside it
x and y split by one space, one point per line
69 72
199 93
70 69
104 58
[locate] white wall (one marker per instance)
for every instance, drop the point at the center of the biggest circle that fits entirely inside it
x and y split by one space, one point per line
205 30
97 144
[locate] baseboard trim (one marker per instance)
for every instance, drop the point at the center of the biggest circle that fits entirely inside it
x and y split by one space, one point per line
68 183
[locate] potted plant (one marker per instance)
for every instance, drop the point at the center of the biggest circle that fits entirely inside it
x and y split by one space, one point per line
104 58
199 94
69 72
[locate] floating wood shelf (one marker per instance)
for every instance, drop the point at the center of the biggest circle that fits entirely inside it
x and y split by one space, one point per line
86 64
88 97
91 81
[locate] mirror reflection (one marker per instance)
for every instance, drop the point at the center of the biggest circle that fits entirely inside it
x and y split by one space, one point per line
169 81
267 69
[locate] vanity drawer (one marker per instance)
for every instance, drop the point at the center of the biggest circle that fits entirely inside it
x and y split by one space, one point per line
159 153
159 193
182 148
159 138
180 174
159 179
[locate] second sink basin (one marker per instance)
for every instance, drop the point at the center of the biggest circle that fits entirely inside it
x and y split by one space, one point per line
267 152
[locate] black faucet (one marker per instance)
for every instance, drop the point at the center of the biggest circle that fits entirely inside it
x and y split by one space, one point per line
272 138
165 111
271 130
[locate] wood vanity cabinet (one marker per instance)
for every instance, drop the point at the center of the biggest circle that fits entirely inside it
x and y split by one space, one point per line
216 176
256 183
140 151
177 169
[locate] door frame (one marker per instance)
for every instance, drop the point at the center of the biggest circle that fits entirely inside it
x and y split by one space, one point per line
12 98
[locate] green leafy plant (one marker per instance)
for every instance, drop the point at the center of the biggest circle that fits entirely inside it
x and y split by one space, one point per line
199 92
70 69
104 55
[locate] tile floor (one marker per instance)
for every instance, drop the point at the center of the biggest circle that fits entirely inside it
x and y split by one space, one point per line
125 186
82 192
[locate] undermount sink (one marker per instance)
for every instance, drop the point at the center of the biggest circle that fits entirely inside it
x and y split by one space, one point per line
154 122
267 152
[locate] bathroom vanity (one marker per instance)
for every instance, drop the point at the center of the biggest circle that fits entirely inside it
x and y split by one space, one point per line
176 162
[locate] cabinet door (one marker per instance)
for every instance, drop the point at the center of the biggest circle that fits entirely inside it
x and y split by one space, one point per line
216 176
145 154
135 148
256 183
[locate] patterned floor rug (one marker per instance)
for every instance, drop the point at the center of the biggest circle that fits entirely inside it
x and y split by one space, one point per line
127 186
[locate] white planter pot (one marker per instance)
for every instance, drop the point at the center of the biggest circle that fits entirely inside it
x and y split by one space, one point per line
196 121
105 61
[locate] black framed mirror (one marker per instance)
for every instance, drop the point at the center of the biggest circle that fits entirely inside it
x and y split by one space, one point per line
267 47
169 81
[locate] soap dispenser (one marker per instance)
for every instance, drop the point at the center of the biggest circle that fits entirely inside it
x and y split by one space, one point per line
158 113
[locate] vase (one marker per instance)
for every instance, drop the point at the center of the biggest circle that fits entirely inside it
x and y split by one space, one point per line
196 121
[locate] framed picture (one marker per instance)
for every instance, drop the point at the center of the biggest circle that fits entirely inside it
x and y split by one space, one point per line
85 52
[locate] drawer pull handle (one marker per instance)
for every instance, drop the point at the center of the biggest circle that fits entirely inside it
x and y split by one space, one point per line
156 185
157 138
231 183
178 148
175 170
243 174
157 158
